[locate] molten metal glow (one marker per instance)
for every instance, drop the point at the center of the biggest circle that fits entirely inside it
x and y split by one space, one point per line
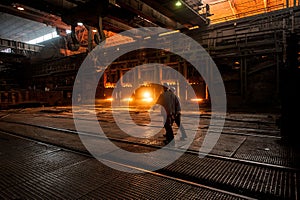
197 100
147 97
127 99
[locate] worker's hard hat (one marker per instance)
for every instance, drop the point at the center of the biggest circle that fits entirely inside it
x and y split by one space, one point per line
172 89
165 85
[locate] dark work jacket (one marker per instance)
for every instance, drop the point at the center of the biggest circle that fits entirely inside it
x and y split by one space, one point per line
169 102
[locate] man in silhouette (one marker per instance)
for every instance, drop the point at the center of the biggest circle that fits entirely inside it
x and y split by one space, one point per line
167 100
177 117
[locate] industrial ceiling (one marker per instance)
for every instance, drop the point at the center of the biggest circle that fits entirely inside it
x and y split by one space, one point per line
40 17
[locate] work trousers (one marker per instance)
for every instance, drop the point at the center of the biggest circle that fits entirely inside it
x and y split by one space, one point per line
168 127
180 126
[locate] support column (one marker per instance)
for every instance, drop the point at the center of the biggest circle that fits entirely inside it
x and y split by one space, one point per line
90 40
277 50
185 74
244 77
243 74
289 87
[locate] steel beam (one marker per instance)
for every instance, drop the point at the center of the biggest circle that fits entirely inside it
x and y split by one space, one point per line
149 13
36 15
116 24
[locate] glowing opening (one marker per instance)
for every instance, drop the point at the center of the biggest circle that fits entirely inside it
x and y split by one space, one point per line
197 100
150 99
147 97
127 99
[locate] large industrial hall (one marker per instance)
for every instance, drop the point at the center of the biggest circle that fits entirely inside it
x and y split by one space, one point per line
146 99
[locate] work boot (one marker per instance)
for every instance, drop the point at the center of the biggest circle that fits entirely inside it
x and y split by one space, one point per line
172 142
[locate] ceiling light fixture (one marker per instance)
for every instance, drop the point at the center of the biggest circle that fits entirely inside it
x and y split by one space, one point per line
193 27
178 4
20 8
168 33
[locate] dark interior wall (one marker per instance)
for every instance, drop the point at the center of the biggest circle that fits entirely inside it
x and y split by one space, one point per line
262 88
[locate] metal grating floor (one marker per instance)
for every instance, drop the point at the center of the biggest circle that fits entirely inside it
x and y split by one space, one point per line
36 171
267 151
258 181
